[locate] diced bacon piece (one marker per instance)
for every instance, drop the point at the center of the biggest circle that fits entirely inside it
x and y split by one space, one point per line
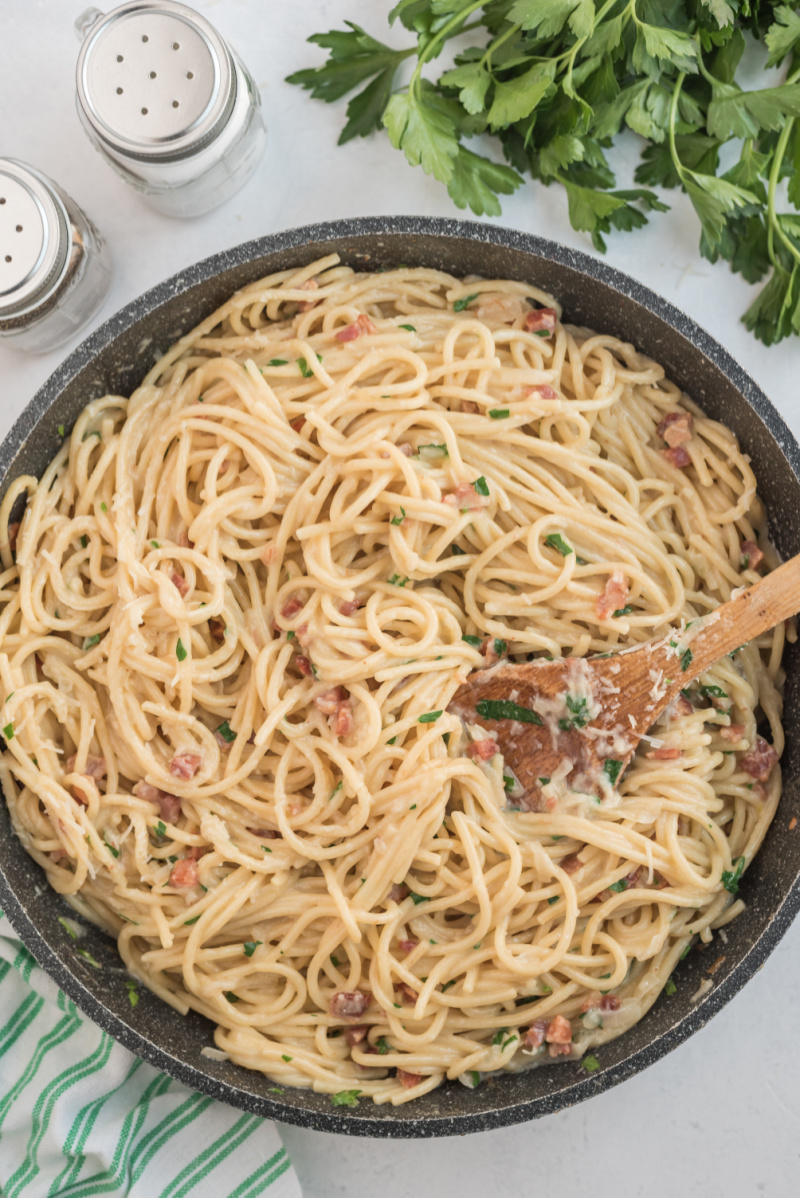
732 732
83 791
398 892
349 1004
664 754
349 607
13 530
354 1035
792 824
328 702
469 407
304 637
217 630
197 851
57 854
682 705
466 498
406 449
483 750
752 557
590 1004
559 1031
298 423
179 582
351 332
614 595
542 321
95 766
264 833
559 1050
169 806
303 665
679 456
405 991
183 540
543 390
503 308
759 761
535 1034
609 1002
633 877
571 864
291 607
407 946
185 765
184 873
309 285
676 428
344 718
408 1080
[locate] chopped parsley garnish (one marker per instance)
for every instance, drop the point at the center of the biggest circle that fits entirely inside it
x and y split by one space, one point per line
188 922
619 886
579 713
399 519
133 993
397 581
276 1090
475 641
286 1058
504 709
687 659
429 717
103 507
160 829
457 551
552 900
464 302
419 898
155 544
612 768
499 413
555 541
84 541
278 362
180 652
408 327
497 1038
715 692
94 433
305 369
500 646
68 928
335 961
89 641
481 486
61 430
345 1098
87 956
8 732
686 951
290 635
476 1078
622 611
590 1064
544 781
231 997
441 450
250 946
745 560
447 985
670 988
730 878
336 789
393 741
226 732
383 1046
114 852
508 783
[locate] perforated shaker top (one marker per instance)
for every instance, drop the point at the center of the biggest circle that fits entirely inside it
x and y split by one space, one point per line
34 237
155 80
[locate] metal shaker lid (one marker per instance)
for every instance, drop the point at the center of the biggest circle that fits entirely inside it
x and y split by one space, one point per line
155 80
34 237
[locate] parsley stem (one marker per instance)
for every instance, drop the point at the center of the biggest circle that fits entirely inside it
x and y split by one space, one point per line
486 61
673 110
773 224
432 47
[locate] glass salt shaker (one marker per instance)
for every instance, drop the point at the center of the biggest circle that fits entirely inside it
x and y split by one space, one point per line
54 266
168 104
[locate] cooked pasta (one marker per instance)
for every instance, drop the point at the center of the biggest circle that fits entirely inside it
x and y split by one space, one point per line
233 617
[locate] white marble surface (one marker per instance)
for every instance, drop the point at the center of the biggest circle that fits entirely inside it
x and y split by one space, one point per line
721 1115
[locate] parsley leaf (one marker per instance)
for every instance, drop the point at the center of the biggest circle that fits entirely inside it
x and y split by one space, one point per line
345 1098
730 878
504 709
555 541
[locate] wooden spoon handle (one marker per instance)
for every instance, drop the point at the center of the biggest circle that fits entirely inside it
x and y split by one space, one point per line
755 610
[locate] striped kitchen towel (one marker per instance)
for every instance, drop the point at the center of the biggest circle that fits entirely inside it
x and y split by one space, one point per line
81 1116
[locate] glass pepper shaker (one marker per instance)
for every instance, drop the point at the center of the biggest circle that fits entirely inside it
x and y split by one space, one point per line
54 266
168 104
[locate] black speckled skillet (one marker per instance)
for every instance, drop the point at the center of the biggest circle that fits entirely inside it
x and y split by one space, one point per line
117 356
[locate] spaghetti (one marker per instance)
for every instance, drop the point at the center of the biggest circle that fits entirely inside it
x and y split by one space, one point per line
238 607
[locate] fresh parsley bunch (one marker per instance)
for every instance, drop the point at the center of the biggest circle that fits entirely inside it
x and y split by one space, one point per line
556 81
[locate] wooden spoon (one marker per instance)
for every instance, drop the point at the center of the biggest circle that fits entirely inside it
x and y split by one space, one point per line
578 720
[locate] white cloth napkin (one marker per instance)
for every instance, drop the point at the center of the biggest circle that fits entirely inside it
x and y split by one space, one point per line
81 1116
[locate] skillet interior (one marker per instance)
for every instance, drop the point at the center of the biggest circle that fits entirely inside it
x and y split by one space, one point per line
116 357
